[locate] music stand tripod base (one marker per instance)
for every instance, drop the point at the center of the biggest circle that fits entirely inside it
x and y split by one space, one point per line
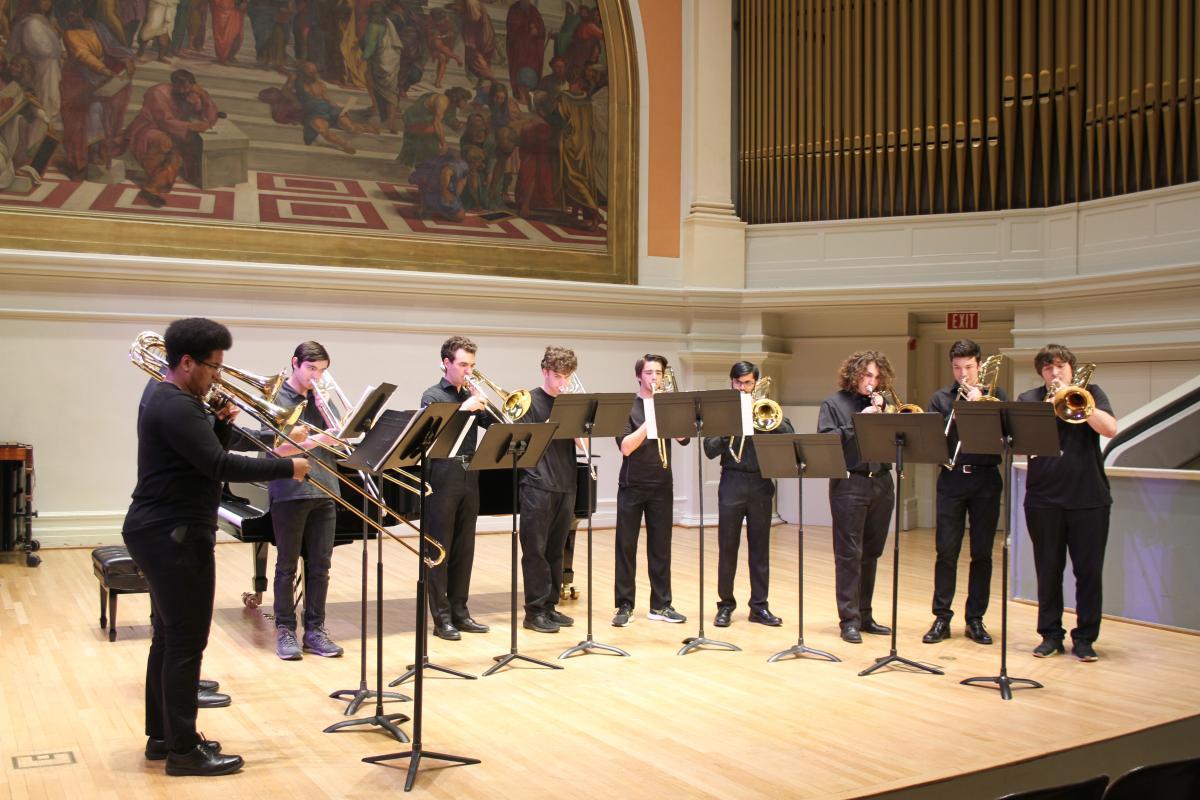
410 671
386 721
361 695
699 642
415 755
880 663
1003 683
504 660
798 650
588 645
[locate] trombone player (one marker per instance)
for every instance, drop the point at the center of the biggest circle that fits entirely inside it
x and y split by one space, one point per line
744 494
1067 504
968 487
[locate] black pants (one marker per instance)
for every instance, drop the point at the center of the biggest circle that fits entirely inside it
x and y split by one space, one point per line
656 504
861 508
182 579
744 496
303 526
1084 533
961 496
450 517
545 520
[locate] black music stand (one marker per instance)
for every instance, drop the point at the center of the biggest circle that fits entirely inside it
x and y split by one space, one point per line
446 446
424 429
369 457
585 416
1006 428
680 415
800 455
514 446
899 439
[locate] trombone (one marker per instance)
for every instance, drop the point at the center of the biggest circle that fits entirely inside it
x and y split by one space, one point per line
989 375
668 385
148 353
512 406
892 404
765 414
1073 403
575 386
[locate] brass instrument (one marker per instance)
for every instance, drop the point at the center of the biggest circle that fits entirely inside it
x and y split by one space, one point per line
575 386
989 376
148 353
1073 403
512 405
668 385
765 414
892 404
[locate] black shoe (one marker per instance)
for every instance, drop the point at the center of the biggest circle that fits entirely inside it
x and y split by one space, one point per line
212 699
850 634
157 749
871 626
469 625
763 616
938 631
561 620
1048 647
724 613
202 760
977 633
208 686
444 630
1084 651
540 623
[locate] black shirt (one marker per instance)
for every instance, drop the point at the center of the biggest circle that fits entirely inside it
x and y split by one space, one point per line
837 416
643 467
726 446
1075 479
444 392
942 403
181 463
556 471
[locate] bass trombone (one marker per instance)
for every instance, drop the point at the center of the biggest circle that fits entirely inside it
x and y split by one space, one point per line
765 414
989 376
668 385
512 405
1073 403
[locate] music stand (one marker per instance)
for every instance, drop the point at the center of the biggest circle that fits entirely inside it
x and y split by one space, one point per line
689 415
585 416
514 446
422 431
800 455
897 438
1006 429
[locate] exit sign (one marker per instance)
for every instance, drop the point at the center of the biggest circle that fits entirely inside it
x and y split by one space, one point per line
962 321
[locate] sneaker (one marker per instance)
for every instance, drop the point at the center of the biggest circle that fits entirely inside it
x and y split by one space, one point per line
1048 647
286 646
540 623
1084 651
666 614
318 643
561 620
623 617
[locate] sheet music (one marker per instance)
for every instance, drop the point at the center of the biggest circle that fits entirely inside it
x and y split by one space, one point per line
468 428
651 419
747 415
351 413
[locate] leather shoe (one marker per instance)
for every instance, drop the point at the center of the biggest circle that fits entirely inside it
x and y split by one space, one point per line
202 760
444 630
763 616
469 625
871 626
212 699
977 633
157 749
208 686
850 634
724 613
540 623
938 631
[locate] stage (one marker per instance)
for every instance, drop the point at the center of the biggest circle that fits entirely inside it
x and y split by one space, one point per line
708 724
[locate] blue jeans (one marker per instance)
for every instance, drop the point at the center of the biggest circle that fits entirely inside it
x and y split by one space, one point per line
303 527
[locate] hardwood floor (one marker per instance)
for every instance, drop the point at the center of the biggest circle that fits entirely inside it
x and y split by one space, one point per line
709 724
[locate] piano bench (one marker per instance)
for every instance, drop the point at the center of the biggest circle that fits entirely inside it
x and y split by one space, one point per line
117 574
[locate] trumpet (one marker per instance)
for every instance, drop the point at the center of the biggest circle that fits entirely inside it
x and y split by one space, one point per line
1073 403
668 385
765 414
989 375
148 353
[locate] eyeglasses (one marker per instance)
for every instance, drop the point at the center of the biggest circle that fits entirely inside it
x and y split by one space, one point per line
216 368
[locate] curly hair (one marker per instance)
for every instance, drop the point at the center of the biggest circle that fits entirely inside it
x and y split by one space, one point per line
196 337
451 346
559 359
855 366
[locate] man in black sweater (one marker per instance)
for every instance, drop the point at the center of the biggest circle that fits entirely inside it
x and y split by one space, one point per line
170 530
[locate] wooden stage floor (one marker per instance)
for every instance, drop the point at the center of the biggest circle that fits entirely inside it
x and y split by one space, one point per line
709 724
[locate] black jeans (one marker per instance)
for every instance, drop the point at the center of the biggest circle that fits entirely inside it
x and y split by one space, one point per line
744 496
182 579
861 508
450 516
961 496
656 503
545 520
305 526
1083 532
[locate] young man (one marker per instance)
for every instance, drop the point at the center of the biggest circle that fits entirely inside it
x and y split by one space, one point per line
547 502
304 517
972 487
744 494
170 530
644 488
452 509
1067 504
861 504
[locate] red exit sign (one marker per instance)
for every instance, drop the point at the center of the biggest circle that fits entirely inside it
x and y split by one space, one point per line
962 321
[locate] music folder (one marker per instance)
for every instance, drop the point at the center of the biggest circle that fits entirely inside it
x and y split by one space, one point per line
399 438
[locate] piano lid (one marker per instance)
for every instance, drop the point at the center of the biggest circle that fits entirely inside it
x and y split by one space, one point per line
1163 434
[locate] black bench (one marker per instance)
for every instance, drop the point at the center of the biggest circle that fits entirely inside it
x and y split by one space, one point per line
118 575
